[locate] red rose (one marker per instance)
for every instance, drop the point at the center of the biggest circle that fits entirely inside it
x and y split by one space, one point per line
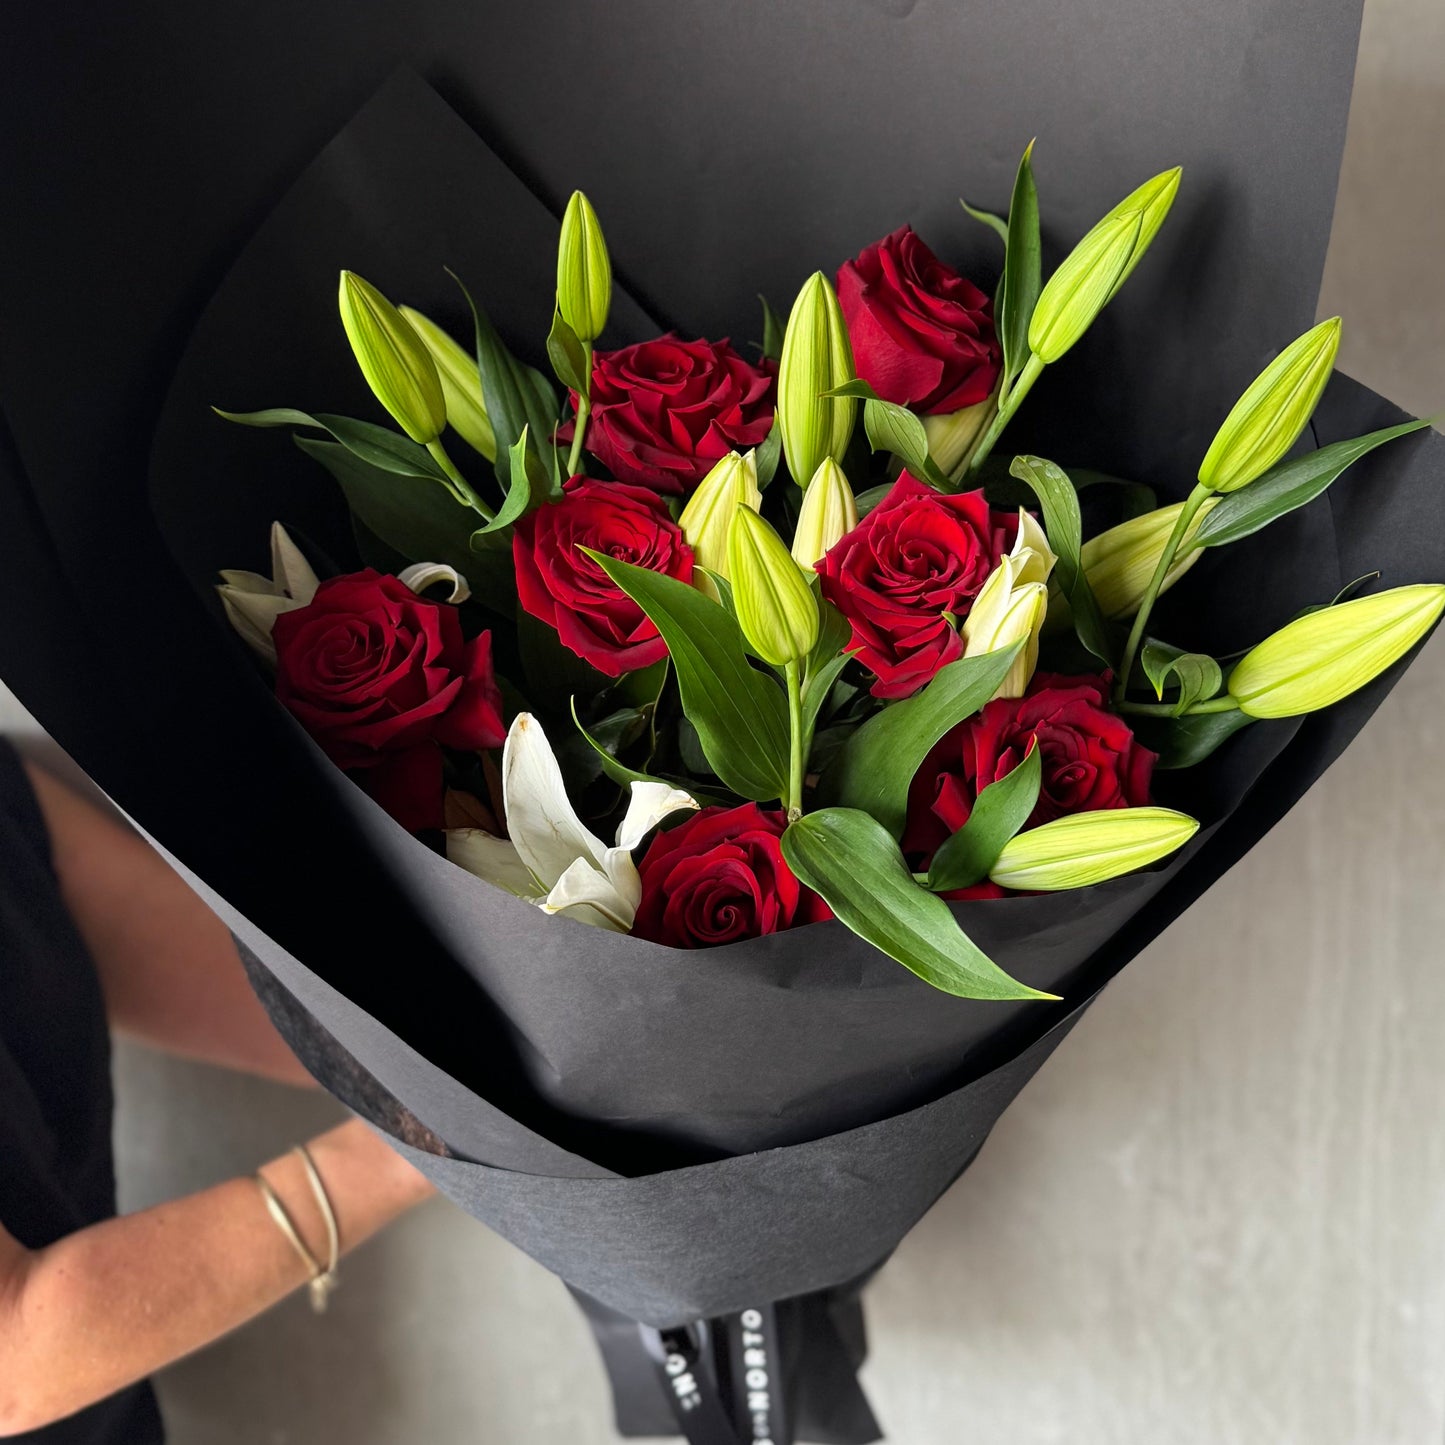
562 585
1088 757
383 680
922 335
664 411
720 876
907 574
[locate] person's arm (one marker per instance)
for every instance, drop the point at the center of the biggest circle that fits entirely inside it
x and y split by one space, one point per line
169 968
106 1306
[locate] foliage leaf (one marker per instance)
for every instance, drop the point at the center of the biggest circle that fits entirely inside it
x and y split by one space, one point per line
377 446
1183 742
1289 485
773 329
996 224
850 859
1060 505
1022 280
767 456
893 428
740 713
998 812
873 770
531 486
567 355
1198 675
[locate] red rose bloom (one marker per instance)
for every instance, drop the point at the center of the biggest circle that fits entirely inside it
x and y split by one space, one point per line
922 335
907 574
664 411
560 584
1088 757
383 680
719 877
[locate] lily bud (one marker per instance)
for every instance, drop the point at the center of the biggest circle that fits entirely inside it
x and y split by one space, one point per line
1082 849
393 359
1098 266
828 513
817 357
775 605
584 270
1119 563
951 435
1271 414
461 384
252 602
708 516
1012 605
1326 655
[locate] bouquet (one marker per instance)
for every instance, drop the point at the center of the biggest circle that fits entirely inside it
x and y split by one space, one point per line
714 1148
792 631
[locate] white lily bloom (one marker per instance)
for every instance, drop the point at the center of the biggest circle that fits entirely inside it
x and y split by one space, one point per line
253 602
552 858
1013 604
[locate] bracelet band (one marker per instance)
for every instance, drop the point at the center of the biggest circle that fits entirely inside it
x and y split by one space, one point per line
322 1278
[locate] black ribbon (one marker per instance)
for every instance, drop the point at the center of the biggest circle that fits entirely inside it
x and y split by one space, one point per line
723 1379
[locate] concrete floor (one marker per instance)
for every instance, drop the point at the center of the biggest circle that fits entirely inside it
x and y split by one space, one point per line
1214 1218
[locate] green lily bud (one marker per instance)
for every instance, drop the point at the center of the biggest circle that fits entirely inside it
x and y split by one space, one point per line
708 517
1082 849
1093 272
1120 562
816 358
584 270
1323 656
461 384
952 434
1272 413
829 512
775 605
393 359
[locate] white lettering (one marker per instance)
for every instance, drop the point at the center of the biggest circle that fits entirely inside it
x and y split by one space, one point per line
752 1320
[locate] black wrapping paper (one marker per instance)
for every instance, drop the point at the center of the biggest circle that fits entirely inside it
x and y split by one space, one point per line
676 1137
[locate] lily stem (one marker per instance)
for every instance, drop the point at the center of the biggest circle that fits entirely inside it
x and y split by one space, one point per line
584 411
1167 709
1023 384
1192 504
461 488
792 672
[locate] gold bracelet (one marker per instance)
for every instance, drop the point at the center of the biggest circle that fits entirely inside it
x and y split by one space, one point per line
322 1279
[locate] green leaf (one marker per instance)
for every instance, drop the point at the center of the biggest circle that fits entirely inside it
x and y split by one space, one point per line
998 813
850 859
424 523
996 224
740 713
893 428
531 486
869 499
773 329
1060 505
517 397
1198 675
877 764
567 355
1022 278
768 455
375 445
1289 485
624 776
1182 742
827 661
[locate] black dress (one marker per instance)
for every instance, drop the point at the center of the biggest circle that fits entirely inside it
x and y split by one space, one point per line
56 1170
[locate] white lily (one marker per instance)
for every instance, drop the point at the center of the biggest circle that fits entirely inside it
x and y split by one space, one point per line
253 602
552 858
1013 604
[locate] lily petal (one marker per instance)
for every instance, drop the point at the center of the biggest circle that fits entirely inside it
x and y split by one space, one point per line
547 832
421 575
253 614
1031 551
290 571
495 860
649 805
585 893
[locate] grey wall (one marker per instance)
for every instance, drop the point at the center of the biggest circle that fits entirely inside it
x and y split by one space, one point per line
1142 1252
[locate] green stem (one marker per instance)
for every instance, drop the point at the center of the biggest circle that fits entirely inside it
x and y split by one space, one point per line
1192 504
584 411
1167 709
793 673
1023 384
461 488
